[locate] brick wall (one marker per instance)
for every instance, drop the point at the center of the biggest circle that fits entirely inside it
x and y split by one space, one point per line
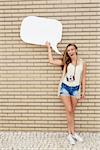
28 83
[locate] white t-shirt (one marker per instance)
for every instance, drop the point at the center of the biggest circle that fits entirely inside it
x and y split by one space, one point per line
70 73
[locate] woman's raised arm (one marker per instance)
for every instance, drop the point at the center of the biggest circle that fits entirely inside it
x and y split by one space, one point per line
51 60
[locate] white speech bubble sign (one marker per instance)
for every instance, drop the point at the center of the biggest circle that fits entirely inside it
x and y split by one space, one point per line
38 30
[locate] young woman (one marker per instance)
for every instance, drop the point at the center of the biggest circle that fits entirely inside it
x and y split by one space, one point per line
73 79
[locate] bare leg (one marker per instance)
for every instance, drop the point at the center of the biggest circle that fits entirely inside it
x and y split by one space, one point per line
74 104
69 112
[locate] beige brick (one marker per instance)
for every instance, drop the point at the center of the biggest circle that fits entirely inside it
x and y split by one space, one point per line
28 83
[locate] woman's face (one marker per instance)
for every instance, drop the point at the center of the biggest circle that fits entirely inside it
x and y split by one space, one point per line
71 50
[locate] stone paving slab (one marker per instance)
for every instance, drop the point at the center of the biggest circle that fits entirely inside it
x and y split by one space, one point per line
46 141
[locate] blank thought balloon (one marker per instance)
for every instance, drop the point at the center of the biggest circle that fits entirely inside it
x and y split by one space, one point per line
38 30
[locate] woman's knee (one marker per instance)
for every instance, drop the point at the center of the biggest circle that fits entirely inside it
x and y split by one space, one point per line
69 110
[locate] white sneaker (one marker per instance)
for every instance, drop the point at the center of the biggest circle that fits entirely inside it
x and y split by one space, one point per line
77 137
70 139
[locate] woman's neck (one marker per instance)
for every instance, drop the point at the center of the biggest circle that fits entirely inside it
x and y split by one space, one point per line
74 59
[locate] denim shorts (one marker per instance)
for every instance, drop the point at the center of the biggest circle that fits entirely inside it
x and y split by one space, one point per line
66 90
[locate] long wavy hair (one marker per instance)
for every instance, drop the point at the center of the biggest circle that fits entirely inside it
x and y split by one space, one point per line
66 59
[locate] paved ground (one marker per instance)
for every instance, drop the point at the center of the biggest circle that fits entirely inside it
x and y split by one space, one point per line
46 141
